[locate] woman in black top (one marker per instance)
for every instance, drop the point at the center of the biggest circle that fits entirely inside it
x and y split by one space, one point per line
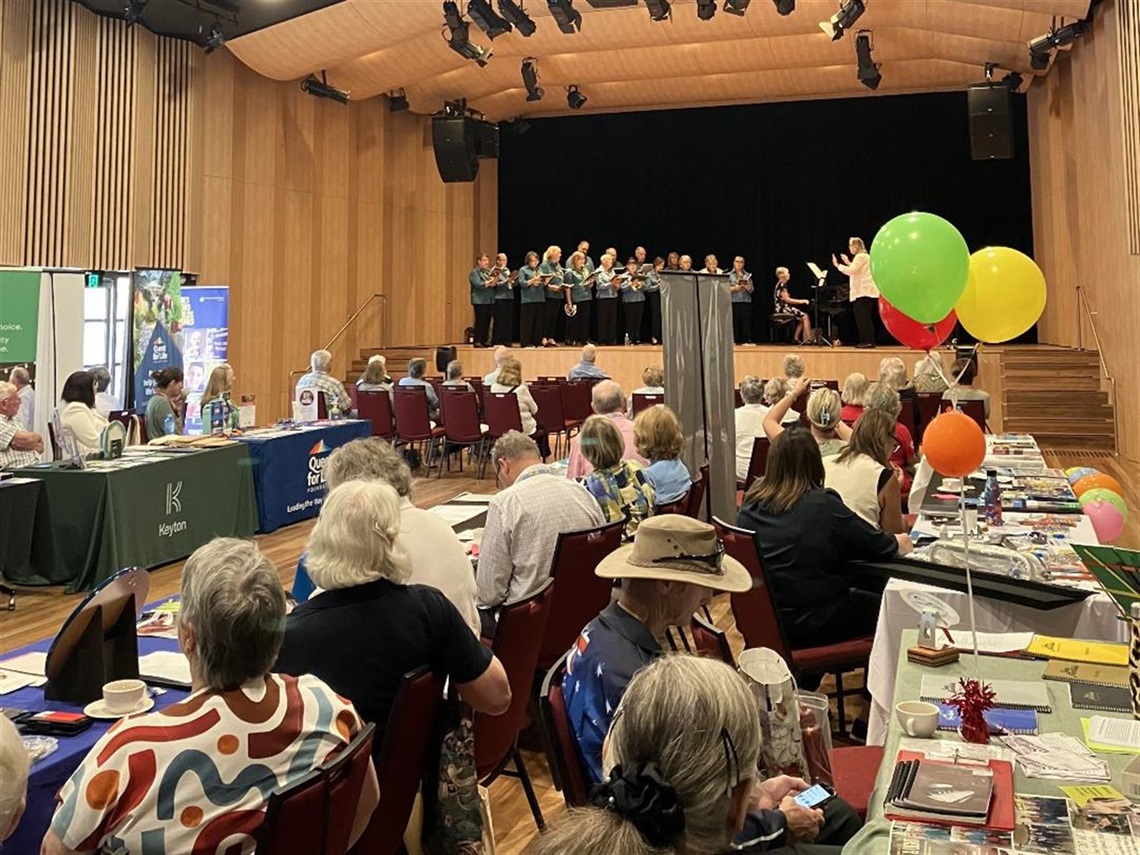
805 534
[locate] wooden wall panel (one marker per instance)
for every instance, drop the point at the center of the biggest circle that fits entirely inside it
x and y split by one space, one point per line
15 58
1128 31
1081 234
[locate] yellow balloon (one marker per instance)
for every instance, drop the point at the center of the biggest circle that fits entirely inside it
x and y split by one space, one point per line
1004 297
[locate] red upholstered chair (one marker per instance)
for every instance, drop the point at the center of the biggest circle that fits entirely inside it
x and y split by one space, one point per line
853 772
570 775
554 381
413 426
496 737
831 384
461 427
579 595
501 412
710 641
376 407
929 405
403 753
353 395
548 397
907 416
975 410
316 812
696 505
577 402
322 405
643 401
680 506
760 623
737 399
758 463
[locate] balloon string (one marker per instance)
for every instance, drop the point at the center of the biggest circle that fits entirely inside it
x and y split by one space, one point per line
952 387
969 578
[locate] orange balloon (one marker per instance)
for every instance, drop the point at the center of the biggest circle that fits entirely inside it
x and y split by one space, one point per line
1098 479
954 444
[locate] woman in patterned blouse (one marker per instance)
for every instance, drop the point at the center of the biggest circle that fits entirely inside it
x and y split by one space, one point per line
619 486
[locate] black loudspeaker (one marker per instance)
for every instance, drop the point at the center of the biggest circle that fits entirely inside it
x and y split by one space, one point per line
444 355
991 128
486 139
453 139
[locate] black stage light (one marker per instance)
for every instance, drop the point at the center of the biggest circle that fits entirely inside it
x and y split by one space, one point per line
321 89
869 74
487 19
1040 52
568 18
1069 33
737 7
214 39
397 101
519 19
1012 81
575 100
844 19
785 7
534 92
706 9
658 9
458 39
132 11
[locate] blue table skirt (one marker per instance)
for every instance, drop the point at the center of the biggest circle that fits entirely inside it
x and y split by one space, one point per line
288 471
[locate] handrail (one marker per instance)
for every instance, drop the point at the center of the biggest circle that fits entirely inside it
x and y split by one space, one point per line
1089 313
344 329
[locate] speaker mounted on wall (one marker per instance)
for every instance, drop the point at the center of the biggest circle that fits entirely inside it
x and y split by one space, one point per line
453 141
991 124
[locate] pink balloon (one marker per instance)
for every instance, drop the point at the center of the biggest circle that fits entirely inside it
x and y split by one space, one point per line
1107 521
910 332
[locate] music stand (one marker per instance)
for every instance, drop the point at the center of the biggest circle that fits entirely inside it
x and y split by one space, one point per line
98 643
817 338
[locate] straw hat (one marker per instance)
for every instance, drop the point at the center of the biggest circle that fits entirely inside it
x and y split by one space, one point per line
675 548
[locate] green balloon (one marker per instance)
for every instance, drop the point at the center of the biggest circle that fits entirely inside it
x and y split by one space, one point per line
1103 494
921 264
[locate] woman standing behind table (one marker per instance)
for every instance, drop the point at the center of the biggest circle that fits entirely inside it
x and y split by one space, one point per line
862 474
220 388
163 415
533 303
605 300
555 300
864 294
653 299
581 297
79 413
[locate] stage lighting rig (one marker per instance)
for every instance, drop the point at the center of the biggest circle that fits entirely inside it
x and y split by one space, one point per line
214 39
575 100
534 92
397 101
568 18
321 89
844 19
132 11
785 7
1041 48
737 7
869 74
487 19
458 39
706 9
659 10
518 18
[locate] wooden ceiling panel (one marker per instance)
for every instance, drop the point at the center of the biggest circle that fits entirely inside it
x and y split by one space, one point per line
969 19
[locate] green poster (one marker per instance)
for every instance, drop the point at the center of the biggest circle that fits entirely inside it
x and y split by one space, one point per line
19 315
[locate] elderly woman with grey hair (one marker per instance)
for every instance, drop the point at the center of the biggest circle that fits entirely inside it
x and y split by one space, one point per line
794 367
749 422
892 371
370 627
156 776
454 377
882 398
416 369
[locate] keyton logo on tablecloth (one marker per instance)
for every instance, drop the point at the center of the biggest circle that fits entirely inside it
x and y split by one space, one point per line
173 502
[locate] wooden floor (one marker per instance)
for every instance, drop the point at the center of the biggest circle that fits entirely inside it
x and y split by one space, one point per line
41 610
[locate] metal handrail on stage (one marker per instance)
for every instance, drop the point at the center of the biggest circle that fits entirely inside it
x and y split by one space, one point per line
1090 313
351 320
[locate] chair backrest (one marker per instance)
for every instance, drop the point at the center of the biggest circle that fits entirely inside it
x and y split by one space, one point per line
407 746
412 421
555 381
53 440
123 417
322 405
548 397
516 645
737 399
460 409
975 410
578 594
696 506
344 778
680 506
711 641
929 404
501 412
643 401
436 384
565 762
755 611
907 415
353 395
831 384
377 408
477 385
758 463
577 400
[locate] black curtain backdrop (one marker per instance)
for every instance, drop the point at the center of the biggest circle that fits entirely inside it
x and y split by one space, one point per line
780 184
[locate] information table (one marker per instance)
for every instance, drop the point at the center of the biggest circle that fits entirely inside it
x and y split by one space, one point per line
27 549
288 468
148 508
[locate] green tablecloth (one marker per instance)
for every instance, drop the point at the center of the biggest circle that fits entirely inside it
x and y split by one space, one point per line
875 836
146 509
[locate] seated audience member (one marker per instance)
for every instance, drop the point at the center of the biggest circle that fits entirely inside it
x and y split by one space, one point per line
164 411
930 373
794 367
965 371
587 369
18 447
369 627
375 377
455 377
320 380
652 383
805 534
219 389
749 422
822 412
376 357
13 778
893 373
854 392
436 556
78 413
20 378
619 486
154 779
510 382
884 399
501 353
105 402
774 391
862 474
416 369
523 523
658 437
606 400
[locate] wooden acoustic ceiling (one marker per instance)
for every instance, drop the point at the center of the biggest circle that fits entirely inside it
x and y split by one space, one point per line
622 60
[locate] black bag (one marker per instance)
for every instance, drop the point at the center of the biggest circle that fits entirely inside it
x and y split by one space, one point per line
443 355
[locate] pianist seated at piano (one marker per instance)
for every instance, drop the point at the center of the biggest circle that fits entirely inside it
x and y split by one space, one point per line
786 304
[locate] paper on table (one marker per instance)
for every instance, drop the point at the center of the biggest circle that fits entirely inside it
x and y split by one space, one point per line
165 666
13 681
27 663
473 498
455 515
1117 732
1081 794
990 642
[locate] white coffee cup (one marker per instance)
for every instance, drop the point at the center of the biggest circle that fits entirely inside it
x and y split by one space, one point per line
123 696
917 718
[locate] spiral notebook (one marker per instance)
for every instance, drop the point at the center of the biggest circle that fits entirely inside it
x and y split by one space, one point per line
1011 694
1107 698
1093 675
1021 722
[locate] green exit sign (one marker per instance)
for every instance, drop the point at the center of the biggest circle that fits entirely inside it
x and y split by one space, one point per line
94 280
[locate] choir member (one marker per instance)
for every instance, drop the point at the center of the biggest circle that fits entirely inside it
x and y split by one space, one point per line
504 300
673 261
633 301
605 300
740 286
577 278
533 302
710 264
584 248
686 263
552 271
653 299
482 298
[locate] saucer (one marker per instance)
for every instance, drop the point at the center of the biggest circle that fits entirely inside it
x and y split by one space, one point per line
98 709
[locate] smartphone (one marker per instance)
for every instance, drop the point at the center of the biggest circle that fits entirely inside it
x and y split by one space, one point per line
815 796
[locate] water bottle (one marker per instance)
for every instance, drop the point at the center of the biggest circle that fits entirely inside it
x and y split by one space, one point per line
991 499
627 339
168 424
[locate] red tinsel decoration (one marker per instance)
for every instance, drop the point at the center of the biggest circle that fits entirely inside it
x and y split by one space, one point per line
972 701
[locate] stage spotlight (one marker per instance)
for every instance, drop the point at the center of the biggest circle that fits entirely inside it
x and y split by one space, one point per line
575 100
458 30
658 9
1041 48
132 11
869 74
519 19
486 19
321 89
1012 81
785 7
1040 52
738 7
706 9
568 18
844 19
214 39
534 92
1066 35
397 101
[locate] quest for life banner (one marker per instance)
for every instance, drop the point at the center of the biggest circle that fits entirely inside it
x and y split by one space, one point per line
19 315
157 319
205 334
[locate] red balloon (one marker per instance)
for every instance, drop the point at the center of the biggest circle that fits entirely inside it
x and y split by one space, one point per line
910 332
954 444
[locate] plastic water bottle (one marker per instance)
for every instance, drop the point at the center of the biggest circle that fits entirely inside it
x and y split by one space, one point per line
991 499
627 339
168 424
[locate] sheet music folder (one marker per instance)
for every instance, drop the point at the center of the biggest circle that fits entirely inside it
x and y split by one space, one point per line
819 274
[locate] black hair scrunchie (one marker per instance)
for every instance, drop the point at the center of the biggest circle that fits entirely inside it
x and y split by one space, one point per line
639 794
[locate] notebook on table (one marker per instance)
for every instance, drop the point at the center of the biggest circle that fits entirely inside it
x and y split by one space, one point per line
947 793
1094 675
1021 722
1010 694
1086 696
1077 650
